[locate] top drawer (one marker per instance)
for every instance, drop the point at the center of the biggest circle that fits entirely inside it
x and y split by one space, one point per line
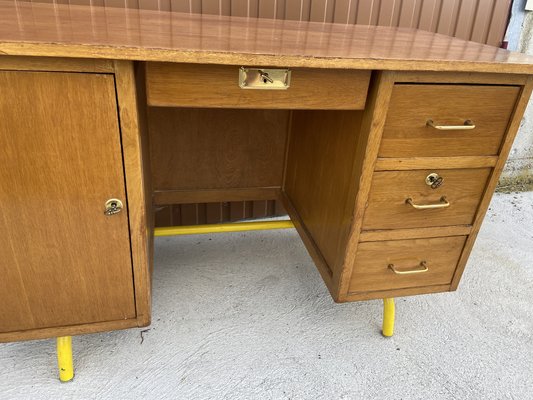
407 134
200 85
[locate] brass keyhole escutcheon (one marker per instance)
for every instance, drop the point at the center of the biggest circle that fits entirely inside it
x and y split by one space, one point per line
113 206
434 180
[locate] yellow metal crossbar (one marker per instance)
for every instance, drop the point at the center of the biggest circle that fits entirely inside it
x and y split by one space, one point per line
64 358
219 228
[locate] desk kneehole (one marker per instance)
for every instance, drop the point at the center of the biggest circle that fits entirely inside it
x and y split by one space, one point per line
219 86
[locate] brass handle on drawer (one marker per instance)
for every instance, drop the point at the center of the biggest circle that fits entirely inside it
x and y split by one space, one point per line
443 204
468 124
422 267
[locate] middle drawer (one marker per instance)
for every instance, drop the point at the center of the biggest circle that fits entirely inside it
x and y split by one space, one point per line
407 199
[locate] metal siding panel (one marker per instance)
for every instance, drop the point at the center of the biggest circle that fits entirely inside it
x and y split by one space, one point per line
482 20
498 23
239 8
386 12
342 11
447 19
407 14
180 6
365 9
213 213
428 15
294 10
465 20
211 7
189 214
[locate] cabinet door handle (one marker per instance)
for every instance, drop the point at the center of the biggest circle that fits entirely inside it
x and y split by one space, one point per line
422 267
443 203
468 125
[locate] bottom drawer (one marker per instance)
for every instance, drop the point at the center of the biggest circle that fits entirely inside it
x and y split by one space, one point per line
434 260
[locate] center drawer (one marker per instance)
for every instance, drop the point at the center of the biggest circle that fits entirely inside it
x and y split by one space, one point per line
397 264
198 85
389 207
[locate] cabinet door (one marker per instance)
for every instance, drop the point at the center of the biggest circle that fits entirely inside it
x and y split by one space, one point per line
62 261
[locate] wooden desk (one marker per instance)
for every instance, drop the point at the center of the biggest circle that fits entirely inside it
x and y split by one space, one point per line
372 149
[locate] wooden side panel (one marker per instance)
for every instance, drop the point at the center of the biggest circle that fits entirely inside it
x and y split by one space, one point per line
133 124
194 149
318 178
365 159
60 151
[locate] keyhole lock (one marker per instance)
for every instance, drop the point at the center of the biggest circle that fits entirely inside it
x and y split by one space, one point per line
113 206
265 78
434 180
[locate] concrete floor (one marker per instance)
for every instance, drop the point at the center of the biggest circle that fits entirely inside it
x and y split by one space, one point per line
246 316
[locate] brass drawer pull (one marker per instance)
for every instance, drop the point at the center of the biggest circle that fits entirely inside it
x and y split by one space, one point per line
443 204
422 267
468 125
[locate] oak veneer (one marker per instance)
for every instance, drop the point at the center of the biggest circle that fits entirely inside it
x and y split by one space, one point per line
373 258
318 180
192 85
198 148
62 30
326 175
71 264
406 134
387 207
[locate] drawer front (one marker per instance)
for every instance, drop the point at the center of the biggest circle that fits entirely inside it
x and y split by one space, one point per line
388 207
406 133
439 255
198 85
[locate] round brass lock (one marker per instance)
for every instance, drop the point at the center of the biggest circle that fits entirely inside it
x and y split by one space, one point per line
113 206
434 180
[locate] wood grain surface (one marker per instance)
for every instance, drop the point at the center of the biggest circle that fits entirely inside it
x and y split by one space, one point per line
371 270
193 85
406 133
195 148
62 261
114 33
318 180
365 159
133 125
387 207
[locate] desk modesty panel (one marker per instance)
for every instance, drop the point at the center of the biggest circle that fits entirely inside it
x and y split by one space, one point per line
384 144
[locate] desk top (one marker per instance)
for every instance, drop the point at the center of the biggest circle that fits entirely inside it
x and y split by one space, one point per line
60 30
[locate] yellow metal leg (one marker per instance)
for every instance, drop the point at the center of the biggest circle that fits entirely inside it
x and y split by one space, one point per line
388 318
64 358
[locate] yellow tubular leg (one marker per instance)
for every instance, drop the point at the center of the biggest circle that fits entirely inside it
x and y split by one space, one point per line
64 358
388 318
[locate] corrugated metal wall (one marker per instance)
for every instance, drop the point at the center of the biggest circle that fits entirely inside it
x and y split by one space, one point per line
482 21
478 20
